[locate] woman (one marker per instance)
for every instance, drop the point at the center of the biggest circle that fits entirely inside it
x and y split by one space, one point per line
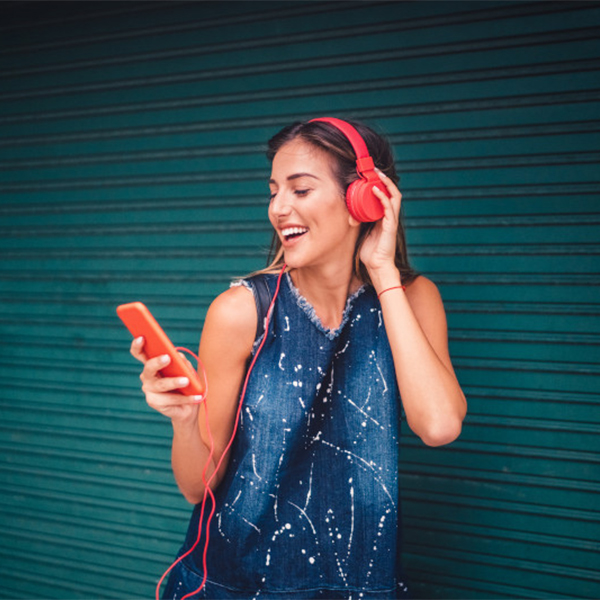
307 501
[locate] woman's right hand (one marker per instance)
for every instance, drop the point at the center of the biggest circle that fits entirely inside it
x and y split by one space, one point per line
160 391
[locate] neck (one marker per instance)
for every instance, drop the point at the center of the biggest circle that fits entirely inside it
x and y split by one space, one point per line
327 289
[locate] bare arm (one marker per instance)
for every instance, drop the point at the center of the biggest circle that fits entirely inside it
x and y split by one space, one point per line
415 323
225 347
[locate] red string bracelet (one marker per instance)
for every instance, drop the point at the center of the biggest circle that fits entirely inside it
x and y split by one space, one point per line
396 287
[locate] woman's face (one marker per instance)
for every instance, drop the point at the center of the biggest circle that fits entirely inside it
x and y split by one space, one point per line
308 209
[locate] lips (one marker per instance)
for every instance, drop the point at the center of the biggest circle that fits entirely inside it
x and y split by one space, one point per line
290 233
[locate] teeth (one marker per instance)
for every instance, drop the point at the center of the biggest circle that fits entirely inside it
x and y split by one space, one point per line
293 231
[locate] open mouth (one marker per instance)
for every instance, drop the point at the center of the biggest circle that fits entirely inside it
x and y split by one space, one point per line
290 233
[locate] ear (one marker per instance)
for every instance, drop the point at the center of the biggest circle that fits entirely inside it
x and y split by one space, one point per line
352 221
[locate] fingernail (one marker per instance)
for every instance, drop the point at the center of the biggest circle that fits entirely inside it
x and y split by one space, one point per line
376 188
197 398
139 340
183 381
164 359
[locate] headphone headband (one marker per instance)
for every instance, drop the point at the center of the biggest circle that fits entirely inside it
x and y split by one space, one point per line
355 139
362 203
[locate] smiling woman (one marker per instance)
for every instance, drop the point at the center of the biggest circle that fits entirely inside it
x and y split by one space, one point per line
340 156
307 209
300 186
307 502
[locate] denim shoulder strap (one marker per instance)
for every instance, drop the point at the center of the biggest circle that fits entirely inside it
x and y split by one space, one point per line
262 297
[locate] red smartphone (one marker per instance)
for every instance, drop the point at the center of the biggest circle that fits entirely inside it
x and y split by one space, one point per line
140 322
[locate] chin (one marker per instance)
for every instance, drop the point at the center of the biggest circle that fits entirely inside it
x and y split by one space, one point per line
292 263
295 261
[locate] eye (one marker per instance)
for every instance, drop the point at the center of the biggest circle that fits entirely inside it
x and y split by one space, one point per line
301 192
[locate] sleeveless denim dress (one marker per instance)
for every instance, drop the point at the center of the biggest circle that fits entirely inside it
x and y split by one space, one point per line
309 506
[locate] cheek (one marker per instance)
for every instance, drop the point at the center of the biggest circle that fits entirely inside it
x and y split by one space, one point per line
270 214
339 211
332 201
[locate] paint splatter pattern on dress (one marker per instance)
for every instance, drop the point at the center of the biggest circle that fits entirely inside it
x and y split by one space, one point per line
310 501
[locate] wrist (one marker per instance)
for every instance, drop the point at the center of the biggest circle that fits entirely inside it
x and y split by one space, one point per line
185 427
385 278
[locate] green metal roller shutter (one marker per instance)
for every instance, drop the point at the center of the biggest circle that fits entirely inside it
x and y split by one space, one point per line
132 138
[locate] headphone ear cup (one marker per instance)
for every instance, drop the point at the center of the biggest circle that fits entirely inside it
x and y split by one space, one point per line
362 202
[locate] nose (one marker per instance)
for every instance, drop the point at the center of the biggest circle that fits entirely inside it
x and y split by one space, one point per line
281 205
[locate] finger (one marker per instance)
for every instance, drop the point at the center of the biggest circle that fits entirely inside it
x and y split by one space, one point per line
389 184
137 349
164 401
389 205
164 384
153 366
393 195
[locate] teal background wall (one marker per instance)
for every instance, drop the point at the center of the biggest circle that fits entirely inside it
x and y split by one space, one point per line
132 168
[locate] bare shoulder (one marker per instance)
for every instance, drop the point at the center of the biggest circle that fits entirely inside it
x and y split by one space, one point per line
426 301
231 319
423 290
234 307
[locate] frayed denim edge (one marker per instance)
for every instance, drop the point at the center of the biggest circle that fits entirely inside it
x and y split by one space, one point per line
309 309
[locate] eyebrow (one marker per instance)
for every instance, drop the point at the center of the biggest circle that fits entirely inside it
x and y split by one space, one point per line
297 176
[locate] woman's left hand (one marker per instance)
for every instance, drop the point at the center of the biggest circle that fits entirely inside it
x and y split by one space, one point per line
379 248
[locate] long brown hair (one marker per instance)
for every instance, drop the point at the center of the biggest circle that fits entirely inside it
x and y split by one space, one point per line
330 139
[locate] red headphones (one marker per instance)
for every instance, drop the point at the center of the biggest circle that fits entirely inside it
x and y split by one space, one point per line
362 202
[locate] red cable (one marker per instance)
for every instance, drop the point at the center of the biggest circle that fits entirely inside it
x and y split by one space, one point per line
207 490
204 481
